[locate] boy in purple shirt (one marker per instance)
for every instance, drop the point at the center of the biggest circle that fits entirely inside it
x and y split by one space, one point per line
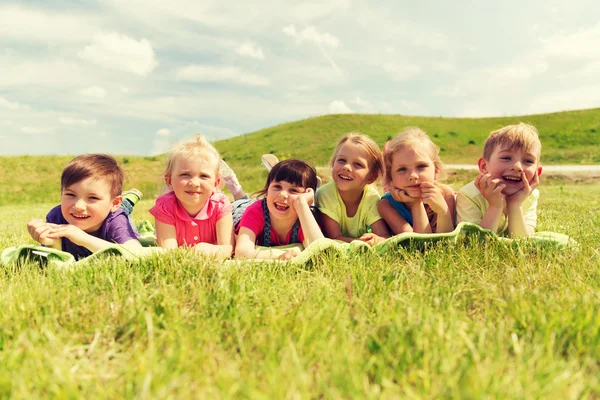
89 217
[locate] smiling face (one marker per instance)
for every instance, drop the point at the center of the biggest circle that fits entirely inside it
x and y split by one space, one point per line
508 164
87 203
411 166
279 199
193 180
351 169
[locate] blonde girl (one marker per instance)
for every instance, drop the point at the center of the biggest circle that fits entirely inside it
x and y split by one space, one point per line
416 201
348 203
194 212
282 215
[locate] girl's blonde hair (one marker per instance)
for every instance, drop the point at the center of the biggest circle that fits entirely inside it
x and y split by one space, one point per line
372 149
413 137
196 146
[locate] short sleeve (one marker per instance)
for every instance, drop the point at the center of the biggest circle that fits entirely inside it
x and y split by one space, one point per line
467 209
372 212
327 202
222 206
119 230
530 209
253 219
164 209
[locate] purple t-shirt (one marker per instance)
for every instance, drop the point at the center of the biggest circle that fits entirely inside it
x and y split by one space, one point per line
114 229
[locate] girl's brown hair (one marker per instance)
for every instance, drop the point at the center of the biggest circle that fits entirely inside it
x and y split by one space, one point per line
293 171
98 166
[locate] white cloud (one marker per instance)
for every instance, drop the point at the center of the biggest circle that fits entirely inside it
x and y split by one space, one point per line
210 73
125 89
75 121
581 45
118 51
163 132
402 72
310 34
93 91
12 105
35 130
249 49
339 107
27 24
443 67
360 102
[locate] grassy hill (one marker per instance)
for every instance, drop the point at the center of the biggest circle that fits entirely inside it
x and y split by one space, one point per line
571 137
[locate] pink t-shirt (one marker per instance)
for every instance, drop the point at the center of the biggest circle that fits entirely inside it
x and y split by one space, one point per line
254 219
192 230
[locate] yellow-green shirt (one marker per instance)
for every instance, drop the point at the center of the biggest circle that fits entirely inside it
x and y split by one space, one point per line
331 204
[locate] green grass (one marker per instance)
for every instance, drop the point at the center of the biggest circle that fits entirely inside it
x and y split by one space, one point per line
569 137
466 321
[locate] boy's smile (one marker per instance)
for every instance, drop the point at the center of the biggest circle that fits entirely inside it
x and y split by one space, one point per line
87 203
508 165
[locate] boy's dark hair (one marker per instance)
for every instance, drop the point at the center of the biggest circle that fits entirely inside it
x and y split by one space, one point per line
293 171
98 166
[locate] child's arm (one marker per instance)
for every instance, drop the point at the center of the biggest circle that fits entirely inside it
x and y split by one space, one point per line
333 230
516 220
225 240
441 201
379 232
40 230
393 218
81 238
166 235
245 248
491 190
309 225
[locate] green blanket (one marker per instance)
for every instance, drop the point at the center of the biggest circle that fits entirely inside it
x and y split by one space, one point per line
410 241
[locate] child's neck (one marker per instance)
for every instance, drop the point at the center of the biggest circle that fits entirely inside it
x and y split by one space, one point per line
282 227
351 199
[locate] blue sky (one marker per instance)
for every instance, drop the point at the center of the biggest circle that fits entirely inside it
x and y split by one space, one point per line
132 77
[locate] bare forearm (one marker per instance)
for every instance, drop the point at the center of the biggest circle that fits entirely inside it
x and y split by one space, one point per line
420 220
517 227
444 223
309 225
220 251
491 218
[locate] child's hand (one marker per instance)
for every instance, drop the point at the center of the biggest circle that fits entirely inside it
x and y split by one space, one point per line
434 196
39 231
307 197
71 232
371 239
289 254
491 189
519 197
402 197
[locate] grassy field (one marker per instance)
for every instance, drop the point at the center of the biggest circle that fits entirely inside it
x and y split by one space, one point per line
467 321
471 320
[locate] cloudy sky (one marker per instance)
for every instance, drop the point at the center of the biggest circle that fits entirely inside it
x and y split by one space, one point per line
132 76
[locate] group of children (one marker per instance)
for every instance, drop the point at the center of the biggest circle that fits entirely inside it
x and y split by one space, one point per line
291 209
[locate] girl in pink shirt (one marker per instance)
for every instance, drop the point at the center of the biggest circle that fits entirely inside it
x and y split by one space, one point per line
283 216
194 212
